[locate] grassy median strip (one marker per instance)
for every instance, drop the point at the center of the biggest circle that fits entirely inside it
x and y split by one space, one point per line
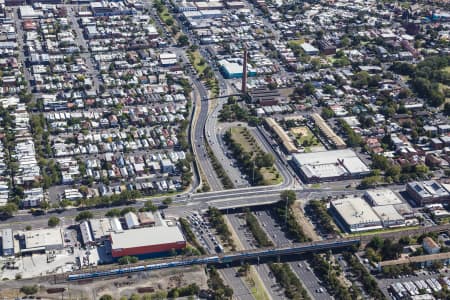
190 235
218 168
288 221
258 233
256 286
289 281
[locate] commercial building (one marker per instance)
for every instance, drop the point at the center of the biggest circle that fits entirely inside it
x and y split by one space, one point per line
147 241
354 215
264 96
7 242
309 49
380 197
101 228
389 216
430 191
281 134
331 136
233 69
28 12
41 240
330 165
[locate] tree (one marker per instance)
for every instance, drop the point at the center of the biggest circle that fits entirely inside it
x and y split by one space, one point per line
125 260
115 212
84 215
167 201
149 206
288 196
44 205
53 221
183 40
106 297
8 210
29 289
327 113
447 109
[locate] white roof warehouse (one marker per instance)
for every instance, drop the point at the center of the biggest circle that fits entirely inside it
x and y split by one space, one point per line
330 165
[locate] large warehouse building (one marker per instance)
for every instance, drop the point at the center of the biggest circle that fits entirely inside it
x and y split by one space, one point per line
146 241
330 165
355 214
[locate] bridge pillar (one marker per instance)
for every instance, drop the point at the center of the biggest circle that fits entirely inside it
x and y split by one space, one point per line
258 259
278 258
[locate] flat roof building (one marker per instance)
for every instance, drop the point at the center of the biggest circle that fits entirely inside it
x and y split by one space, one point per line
380 197
7 242
426 192
330 165
100 228
234 69
309 49
147 240
42 240
355 215
389 216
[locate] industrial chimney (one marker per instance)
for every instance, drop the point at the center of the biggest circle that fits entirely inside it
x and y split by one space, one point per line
244 72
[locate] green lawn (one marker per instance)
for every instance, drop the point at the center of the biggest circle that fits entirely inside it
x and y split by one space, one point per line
383 231
256 286
196 58
237 134
295 43
303 134
271 175
165 15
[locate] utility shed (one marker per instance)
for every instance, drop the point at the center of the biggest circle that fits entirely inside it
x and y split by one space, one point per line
132 220
146 218
116 226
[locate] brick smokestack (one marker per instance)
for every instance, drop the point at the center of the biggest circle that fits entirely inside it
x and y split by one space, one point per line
244 72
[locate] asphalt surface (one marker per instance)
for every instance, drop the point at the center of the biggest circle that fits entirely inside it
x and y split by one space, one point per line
247 241
184 203
206 238
300 268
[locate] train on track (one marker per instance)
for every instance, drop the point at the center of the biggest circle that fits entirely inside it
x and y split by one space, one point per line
223 258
